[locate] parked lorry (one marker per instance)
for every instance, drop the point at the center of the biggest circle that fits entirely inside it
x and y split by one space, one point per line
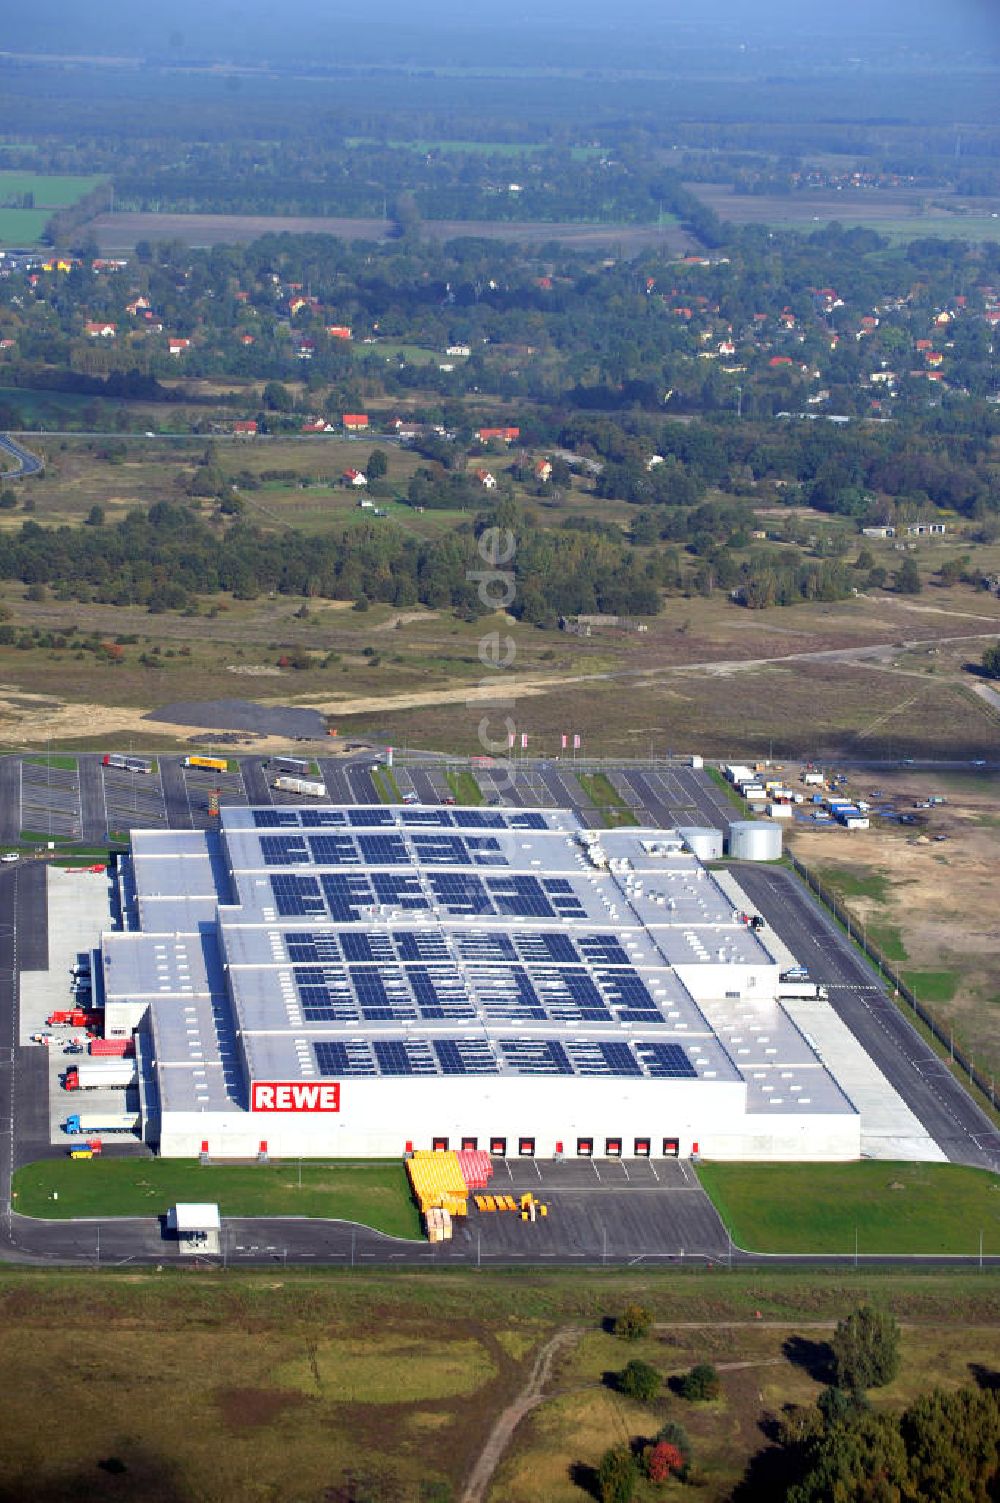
127 764
112 1048
101 1074
294 766
312 787
72 1017
78 1123
207 764
802 991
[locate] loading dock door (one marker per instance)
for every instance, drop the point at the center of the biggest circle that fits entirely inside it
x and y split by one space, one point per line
613 1148
498 1148
440 1145
470 1144
526 1147
643 1148
585 1148
671 1148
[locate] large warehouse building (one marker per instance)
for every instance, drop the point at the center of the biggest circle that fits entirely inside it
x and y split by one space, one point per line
357 981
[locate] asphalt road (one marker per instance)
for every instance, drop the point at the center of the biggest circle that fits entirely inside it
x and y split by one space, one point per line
26 462
93 809
860 999
175 797
10 798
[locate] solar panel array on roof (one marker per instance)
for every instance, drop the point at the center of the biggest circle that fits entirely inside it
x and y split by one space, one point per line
410 1057
476 1056
536 1056
465 1057
666 1061
270 819
378 990
284 850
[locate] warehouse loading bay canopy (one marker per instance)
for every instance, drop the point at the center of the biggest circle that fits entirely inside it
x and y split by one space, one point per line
355 981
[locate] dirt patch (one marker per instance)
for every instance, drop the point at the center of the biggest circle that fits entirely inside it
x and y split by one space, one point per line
255 670
935 913
247 1409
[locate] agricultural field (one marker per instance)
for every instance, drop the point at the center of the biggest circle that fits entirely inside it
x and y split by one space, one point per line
890 211
926 901
50 190
21 223
356 1385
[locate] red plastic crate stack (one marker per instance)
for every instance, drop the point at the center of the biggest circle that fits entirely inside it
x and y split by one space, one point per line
112 1048
476 1167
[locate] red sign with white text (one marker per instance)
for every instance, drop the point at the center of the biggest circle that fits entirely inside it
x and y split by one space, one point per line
295 1096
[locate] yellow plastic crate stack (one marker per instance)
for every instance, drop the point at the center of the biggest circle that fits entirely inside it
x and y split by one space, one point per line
438 1182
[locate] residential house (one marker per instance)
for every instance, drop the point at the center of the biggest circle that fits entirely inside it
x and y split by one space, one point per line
178 346
356 478
338 331
317 425
505 435
355 422
486 479
926 529
878 532
542 470
100 330
245 427
458 349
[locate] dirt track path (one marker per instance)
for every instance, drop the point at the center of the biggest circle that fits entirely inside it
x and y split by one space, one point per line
529 1398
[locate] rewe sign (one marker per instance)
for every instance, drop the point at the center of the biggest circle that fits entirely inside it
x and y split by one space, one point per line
294 1096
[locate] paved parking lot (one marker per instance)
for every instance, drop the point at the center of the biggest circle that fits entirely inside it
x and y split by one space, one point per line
133 800
50 799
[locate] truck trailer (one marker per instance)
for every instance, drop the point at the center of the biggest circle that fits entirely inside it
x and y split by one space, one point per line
100 1122
312 787
101 1074
207 764
802 991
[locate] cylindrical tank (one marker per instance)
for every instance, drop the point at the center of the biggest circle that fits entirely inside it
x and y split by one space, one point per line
754 840
702 841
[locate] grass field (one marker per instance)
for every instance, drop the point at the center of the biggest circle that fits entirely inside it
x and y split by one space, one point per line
893 1208
374 1194
157 1386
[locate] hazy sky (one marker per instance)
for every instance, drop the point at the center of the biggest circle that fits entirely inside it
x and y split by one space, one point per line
389 29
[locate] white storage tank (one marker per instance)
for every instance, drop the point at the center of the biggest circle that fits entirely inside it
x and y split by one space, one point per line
754 840
702 841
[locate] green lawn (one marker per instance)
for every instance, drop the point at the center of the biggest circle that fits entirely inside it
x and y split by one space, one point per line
374 1193
852 884
465 788
603 795
932 986
895 1208
56 759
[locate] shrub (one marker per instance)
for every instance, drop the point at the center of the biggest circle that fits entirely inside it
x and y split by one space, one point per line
866 1349
634 1322
617 1475
638 1380
676 1435
662 1461
701 1383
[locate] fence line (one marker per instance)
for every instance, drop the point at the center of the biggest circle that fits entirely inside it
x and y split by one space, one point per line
945 1037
